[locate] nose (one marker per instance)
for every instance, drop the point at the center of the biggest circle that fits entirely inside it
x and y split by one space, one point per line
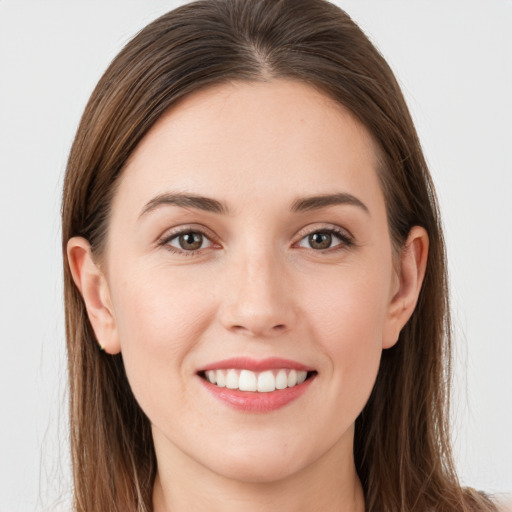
258 299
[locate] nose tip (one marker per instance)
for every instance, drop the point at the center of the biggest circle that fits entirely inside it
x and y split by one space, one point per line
258 314
258 302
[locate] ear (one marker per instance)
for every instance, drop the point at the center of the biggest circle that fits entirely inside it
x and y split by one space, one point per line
410 275
92 284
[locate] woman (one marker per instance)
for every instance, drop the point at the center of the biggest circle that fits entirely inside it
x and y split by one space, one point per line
255 280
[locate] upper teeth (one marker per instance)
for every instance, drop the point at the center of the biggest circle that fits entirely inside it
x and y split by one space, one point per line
263 382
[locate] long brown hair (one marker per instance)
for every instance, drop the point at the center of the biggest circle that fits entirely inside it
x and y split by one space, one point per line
402 447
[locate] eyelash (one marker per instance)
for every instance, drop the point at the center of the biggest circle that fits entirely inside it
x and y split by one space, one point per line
346 241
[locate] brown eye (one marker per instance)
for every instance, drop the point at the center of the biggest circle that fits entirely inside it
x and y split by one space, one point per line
320 240
190 241
326 239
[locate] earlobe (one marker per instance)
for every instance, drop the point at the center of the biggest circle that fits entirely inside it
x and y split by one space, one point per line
412 267
93 286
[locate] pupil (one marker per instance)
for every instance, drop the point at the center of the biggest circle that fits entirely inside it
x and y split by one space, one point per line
320 240
191 241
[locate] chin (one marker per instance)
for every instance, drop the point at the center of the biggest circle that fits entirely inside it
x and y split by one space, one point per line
260 462
257 471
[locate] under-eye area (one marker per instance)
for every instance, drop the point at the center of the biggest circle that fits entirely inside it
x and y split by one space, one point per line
261 382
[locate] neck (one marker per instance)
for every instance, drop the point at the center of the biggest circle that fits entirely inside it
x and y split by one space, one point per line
329 484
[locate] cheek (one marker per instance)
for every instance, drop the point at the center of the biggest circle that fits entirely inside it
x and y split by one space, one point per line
159 310
348 315
349 306
160 319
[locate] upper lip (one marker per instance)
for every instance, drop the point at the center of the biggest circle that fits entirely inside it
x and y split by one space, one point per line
257 365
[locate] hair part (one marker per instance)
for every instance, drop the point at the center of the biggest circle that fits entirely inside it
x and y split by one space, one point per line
402 443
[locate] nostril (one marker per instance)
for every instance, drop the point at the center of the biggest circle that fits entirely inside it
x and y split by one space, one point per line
259 330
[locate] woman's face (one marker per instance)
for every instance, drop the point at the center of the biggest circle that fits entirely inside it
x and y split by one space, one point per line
249 244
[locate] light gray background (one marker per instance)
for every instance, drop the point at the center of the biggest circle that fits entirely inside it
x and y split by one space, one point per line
454 61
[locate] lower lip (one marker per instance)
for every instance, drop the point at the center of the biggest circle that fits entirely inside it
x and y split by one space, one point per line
248 401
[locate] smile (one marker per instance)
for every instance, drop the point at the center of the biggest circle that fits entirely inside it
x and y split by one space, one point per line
257 386
260 382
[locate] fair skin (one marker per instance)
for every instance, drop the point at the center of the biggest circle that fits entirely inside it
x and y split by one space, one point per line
272 277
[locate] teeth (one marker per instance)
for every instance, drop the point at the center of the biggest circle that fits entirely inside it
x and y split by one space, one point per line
220 378
282 379
292 378
232 379
262 382
247 381
266 382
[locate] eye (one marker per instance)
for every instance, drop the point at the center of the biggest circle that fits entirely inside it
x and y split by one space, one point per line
325 239
187 241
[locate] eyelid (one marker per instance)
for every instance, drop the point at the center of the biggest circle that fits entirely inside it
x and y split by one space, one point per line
346 238
173 233
345 242
318 227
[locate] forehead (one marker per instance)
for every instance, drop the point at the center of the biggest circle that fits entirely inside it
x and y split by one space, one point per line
242 141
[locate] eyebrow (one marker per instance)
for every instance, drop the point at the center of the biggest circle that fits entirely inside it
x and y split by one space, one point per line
214 206
206 204
322 201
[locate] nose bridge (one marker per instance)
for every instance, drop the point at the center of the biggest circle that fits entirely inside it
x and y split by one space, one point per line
258 301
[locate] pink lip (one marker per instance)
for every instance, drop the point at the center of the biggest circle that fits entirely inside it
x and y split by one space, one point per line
248 401
270 363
